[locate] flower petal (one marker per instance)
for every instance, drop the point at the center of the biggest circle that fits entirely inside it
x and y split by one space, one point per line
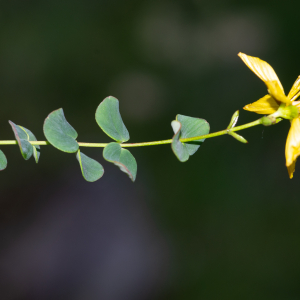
295 90
292 147
265 106
267 74
277 93
261 68
291 169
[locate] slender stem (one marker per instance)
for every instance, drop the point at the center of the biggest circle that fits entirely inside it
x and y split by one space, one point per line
102 145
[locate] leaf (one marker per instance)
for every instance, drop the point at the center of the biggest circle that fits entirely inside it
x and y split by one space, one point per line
233 120
190 127
3 161
60 133
238 137
179 148
90 168
23 140
110 121
122 158
36 148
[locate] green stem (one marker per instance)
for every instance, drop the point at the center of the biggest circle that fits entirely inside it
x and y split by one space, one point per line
102 145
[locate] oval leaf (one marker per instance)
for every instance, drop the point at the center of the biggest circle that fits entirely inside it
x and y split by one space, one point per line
60 133
191 127
36 148
23 140
122 158
3 161
90 168
234 119
179 148
110 121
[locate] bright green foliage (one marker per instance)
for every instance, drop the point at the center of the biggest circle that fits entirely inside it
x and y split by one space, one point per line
23 140
109 119
122 158
186 127
90 168
3 161
60 133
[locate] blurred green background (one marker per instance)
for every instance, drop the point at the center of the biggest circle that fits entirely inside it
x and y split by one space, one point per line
224 225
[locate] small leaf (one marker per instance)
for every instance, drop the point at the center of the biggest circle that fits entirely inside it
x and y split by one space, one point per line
36 148
3 161
192 127
238 137
179 149
109 119
122 158
90 168
23 140
233 120
60 133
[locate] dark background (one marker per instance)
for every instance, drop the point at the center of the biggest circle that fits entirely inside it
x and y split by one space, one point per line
224 225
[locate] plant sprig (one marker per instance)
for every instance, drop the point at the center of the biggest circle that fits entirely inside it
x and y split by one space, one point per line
189 134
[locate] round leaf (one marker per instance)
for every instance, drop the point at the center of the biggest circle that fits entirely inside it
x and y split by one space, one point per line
59 132
110 121
3 161
122 158
90 168
192 127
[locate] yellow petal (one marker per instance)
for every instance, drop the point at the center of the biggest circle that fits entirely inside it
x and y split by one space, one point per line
291 169
261 68
265 106
292 147
295 90
277 93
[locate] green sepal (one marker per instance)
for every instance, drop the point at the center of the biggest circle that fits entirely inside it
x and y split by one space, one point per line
187 127
23 140
122 158
110 121
3 161
90 168
60 133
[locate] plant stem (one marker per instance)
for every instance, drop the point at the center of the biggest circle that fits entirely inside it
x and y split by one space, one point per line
102 145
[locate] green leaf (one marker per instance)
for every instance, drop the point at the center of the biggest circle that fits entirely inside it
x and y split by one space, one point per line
179 148
23 140
186 127
3 161
122 158
60 133
90 168
109 119
238 137
233 120
192 127
36 148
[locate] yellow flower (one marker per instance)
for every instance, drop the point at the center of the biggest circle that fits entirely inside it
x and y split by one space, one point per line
277 103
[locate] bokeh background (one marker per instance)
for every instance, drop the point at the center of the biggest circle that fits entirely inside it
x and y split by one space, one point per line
224 225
